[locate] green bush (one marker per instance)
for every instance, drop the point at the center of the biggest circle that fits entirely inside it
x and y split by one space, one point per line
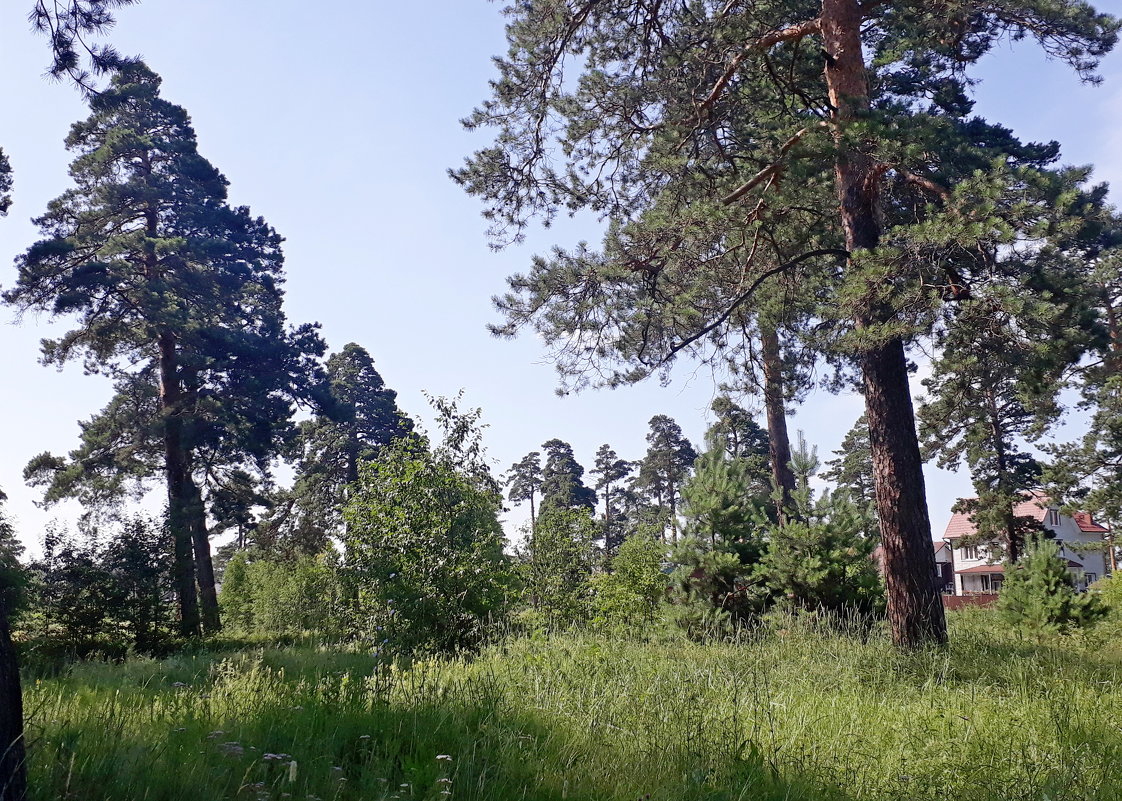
280 598
425 553
629 596
1039 594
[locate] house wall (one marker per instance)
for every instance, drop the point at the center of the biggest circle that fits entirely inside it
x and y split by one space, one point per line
1080 546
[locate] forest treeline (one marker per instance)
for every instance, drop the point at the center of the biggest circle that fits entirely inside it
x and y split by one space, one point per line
799 195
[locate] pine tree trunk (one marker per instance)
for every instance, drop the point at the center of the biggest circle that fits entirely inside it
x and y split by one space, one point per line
178 483
200 536
915 609
13 771
779 441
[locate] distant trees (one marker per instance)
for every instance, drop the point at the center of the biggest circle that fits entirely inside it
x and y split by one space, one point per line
524 483
737 162
177 296
562 479
424 548
610 471
664 468
13 768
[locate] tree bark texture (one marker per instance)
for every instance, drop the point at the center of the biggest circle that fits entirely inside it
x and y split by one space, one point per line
13 770
775 405
204 565
179 485
915 609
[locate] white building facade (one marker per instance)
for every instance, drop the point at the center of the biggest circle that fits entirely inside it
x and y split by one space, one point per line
977 568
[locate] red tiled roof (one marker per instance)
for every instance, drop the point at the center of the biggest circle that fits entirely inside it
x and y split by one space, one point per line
961 525
1085 523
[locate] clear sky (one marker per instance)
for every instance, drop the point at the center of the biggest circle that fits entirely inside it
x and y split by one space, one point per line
337 123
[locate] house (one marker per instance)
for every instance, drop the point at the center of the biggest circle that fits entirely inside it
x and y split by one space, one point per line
977 569
944 565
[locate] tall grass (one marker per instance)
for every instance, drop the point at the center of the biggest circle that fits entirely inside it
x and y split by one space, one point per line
799 713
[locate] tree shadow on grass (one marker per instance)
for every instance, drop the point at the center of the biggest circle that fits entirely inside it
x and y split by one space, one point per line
436 747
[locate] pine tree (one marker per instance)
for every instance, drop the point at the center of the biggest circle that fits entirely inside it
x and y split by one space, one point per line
562 482
851 472
13 770
729 156
1039 593
360 417
167 281
524 482
664 468
610 471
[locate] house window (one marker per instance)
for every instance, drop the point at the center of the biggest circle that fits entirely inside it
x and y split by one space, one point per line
970 552
1054 517
985 582
1090 578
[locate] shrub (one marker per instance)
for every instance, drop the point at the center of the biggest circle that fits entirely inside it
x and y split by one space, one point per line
1039 594
425 552
629 596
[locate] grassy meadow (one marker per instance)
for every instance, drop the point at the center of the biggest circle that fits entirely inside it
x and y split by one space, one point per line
797 713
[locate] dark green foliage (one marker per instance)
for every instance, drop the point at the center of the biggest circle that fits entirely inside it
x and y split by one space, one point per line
820 560
851 471
610 472
424 547
5 183
13 576
629 596
69 25
556 568
1039 594
723 498
92 596
524 482
665 468
177 296
562 482
360 418
995 386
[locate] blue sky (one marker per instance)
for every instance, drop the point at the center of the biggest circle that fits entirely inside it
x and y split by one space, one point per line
338 126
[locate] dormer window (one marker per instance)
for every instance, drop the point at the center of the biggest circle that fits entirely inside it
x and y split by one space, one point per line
1053 518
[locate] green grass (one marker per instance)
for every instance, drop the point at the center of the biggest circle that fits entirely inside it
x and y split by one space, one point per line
796 714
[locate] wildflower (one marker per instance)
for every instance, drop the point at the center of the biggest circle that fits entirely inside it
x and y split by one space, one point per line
179 684
364 737
445 757
231 749
276 757
444 780
215 734
181 728
446 792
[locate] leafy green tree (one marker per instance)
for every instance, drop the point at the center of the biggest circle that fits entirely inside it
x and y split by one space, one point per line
361 417
994 386
424 546
733 159
821 560
557 567
524 482
171 285
562 481
13 772
851 472
629 596
1039 593
610 472
665 468
723 498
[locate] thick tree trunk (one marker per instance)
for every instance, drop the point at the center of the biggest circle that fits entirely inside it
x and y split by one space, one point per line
204 565
915 609
775 406
179 486
13 772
